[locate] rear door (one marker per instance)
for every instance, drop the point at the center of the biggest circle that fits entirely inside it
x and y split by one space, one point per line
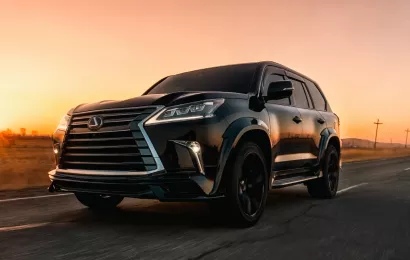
312 121
285 129
320 104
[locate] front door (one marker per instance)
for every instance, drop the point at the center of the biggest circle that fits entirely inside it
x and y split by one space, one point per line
285 126
312 121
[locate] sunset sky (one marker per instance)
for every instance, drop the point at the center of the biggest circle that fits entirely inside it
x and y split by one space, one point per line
57 54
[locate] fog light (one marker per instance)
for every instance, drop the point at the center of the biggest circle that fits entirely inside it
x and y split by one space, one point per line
195 147
56 148
196 152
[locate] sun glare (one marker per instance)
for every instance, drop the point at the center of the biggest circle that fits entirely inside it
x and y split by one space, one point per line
3 123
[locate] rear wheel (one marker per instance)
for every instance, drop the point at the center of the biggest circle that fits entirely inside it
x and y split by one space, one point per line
98 201
326 186
246 187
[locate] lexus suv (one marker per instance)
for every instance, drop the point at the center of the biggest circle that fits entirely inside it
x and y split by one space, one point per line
226 135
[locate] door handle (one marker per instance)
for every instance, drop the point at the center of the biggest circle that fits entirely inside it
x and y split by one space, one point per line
297 119
321 121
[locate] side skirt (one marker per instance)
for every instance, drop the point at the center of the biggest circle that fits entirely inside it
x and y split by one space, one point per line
293 177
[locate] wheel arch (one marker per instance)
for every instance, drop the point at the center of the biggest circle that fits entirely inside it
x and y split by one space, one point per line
329 136
241 130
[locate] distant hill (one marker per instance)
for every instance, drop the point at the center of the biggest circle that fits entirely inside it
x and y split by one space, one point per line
363 143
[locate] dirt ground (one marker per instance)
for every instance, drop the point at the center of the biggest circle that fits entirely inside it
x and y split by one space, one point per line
26 164
361 154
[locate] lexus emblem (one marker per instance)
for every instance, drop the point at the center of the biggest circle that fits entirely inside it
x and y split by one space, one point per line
95 123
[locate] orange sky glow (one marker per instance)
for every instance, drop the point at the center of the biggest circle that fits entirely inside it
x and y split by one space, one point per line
57 54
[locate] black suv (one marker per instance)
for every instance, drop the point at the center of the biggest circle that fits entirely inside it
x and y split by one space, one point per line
226 135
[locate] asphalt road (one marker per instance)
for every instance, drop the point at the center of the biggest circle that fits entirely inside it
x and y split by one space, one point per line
369 219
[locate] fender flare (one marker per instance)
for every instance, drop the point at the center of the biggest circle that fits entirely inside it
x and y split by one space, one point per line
231 137
326 135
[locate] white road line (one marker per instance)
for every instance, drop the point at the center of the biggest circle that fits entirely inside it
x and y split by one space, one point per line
352 187
408 169
36 197
13 228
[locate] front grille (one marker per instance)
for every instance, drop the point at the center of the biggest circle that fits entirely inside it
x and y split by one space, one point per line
118 145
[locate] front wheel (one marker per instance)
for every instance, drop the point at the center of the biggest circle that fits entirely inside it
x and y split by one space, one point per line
98 201
246 187
326 186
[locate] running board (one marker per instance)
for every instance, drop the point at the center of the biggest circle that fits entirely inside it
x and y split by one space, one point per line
291 181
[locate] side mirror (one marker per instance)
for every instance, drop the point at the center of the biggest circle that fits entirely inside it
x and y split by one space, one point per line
280 89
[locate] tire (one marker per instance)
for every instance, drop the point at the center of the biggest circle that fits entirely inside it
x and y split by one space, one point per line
246 187
97 201
326 186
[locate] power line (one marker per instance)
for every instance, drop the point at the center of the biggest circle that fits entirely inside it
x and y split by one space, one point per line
377 129
407 135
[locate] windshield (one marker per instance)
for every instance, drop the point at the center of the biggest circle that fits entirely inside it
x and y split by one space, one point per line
232 78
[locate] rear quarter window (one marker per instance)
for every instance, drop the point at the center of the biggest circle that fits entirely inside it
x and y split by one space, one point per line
318 100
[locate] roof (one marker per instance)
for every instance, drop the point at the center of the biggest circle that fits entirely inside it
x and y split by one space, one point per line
265 63
261 65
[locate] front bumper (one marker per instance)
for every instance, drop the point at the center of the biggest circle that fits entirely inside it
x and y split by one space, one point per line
173 161
164 187
189 183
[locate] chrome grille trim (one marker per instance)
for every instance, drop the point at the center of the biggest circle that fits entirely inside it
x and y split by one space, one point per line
149 145
101 132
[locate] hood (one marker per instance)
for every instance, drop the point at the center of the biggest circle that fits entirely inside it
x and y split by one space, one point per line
156 100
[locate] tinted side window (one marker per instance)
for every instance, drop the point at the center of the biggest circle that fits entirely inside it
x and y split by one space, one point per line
273 78
299 95
308 96
317 97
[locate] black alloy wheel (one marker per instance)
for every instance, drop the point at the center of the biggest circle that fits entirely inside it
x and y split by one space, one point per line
326 186
333 172
251 186
246 186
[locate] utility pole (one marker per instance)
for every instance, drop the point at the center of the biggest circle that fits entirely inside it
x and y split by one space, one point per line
377 129
407 135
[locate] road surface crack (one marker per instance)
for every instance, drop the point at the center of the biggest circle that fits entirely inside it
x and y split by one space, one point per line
229 244
236 243
300 214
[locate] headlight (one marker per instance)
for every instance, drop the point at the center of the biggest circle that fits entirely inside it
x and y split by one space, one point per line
63 123
197 110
